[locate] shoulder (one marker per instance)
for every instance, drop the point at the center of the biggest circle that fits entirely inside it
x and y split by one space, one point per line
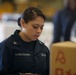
60 12
7 42
40 42
43 45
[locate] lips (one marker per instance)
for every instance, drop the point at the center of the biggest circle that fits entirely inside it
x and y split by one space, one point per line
36 35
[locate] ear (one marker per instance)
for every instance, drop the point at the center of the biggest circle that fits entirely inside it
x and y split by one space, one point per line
23 24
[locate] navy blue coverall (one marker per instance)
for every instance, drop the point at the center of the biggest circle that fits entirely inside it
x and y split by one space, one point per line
15 58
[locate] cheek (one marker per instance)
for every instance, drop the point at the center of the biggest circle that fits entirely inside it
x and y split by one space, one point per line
31 30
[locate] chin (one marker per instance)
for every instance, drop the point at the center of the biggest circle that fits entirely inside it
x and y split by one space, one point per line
35 39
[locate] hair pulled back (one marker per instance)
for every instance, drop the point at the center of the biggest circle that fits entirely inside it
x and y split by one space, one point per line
30 14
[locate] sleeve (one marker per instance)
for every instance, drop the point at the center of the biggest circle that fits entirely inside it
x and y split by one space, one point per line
4 59
57 27
6 55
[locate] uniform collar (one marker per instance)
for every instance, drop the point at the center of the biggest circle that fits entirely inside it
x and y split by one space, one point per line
39 46
18 41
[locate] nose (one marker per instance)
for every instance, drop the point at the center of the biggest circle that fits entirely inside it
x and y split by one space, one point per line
39 30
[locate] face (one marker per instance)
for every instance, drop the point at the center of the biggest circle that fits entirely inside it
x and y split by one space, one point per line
72 4
33 29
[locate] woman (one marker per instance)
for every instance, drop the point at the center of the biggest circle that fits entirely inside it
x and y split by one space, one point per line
22 52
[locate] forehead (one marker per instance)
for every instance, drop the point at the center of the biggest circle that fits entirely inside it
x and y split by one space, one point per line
37 20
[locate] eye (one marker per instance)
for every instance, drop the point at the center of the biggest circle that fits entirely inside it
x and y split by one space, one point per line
41 27
35 27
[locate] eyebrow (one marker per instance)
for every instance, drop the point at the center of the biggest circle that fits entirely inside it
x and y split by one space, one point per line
38 25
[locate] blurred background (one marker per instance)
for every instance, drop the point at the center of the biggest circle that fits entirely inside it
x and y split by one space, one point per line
10 10
49 7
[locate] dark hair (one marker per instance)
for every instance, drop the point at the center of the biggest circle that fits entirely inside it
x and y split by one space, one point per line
30 14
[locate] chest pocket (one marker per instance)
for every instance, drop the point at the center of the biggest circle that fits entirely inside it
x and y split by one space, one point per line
23 62
23 57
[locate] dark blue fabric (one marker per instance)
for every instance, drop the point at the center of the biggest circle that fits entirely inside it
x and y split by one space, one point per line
63 21
15 58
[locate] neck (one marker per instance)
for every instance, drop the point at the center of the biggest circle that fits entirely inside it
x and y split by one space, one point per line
24 37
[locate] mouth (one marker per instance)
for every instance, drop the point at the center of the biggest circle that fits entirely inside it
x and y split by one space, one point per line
36 35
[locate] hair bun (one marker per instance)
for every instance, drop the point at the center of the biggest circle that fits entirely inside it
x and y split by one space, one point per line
19 21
